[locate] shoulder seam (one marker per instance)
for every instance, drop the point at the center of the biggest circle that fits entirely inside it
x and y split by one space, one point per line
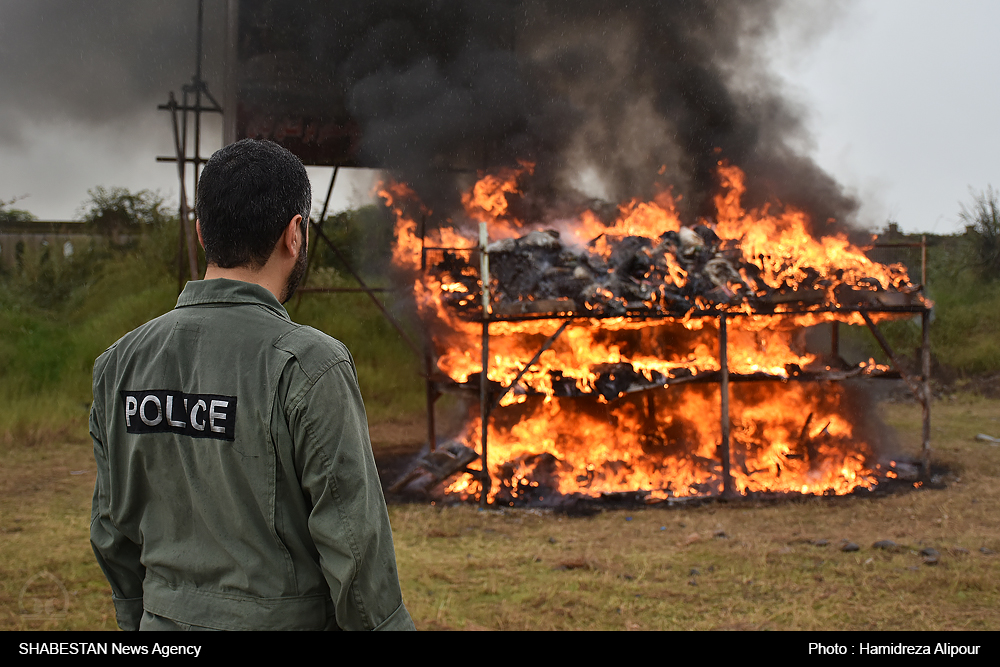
294 401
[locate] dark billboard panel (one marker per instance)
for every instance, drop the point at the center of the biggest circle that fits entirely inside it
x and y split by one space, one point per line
282 81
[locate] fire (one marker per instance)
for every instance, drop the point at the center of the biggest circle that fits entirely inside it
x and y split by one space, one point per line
575 422
487 200
783 248
565 446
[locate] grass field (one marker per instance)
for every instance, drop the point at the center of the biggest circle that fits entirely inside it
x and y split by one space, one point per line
739 565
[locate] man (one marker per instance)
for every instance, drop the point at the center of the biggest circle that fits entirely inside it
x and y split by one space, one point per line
236 488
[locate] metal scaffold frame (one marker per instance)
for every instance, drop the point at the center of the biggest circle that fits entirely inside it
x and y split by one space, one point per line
194 95
490 400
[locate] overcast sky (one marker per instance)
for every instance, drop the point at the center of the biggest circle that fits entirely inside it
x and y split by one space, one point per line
901 98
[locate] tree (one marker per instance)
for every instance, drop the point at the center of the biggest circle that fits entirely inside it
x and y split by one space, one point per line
115 211
14 215
982 221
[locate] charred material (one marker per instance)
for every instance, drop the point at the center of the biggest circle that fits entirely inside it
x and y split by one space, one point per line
670 276
435 467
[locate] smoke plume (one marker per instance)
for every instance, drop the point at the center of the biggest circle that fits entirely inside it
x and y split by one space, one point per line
608 99
615 99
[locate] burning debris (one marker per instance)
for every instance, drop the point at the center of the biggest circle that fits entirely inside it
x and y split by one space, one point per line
673 271
588 326
672 275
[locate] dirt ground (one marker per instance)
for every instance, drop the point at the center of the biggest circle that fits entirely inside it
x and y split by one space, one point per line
742 565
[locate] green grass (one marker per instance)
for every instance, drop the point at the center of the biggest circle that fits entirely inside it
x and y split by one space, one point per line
965 318
57 316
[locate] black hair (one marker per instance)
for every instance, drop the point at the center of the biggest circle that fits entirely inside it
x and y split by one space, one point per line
247 194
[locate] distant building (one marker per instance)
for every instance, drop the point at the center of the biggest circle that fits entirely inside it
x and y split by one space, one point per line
62 238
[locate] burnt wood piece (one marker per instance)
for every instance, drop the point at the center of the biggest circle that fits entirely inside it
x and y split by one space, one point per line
614 380
436 466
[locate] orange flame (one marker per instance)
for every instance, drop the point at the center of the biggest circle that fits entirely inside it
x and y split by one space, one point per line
587 451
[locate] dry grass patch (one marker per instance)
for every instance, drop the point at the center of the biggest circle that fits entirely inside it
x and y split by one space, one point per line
46 486
717 566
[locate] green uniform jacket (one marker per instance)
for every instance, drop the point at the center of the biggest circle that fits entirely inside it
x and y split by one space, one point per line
236 487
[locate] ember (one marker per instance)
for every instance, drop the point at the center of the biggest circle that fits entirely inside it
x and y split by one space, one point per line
602 344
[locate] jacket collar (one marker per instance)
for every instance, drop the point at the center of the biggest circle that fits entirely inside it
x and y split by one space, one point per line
223 290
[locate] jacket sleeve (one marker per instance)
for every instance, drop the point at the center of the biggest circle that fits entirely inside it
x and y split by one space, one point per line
116 554
348 521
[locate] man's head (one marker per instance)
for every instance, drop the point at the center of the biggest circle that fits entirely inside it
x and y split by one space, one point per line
247 195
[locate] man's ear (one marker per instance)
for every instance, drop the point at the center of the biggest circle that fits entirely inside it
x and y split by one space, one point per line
197 228
293 236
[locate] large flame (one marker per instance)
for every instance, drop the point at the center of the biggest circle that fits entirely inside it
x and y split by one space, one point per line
669 448
562 445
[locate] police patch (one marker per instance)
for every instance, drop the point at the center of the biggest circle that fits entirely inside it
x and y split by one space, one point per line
196 415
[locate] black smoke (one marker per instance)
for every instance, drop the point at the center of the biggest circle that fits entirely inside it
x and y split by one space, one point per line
602 96
636 94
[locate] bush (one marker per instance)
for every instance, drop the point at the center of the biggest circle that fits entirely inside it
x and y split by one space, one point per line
115 211
14 215
364 238
983 229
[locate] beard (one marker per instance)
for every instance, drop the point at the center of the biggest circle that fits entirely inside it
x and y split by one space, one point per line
295 277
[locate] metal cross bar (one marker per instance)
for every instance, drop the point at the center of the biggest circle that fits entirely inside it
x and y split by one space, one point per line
534 360
367 289
884 344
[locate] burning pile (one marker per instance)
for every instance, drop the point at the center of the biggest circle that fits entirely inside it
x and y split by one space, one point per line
612 314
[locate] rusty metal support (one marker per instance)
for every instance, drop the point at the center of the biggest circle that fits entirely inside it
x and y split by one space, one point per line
342 289
198 86
925 363
322 219
534 360
368 290
432 395
432 391
187 231
884 344
484 273
923 262
727 479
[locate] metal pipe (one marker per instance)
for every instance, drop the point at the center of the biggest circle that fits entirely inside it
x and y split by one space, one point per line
322 219
650 399
884 344
727 480
925 363
186 231
432 395
423 242
368 291
534 360
923 262
197 101
484 274
432 392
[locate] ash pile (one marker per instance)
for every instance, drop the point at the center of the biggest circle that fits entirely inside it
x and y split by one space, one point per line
675 274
